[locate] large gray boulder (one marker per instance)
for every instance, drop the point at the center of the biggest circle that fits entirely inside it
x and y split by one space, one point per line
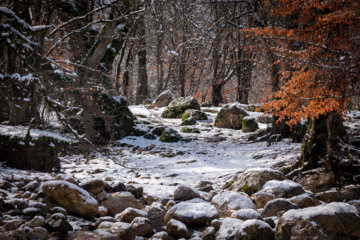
164 99
273 207
71 197
183 192
283 189
253 179
230 116
177 107
331 221
249 124
196 114
255 229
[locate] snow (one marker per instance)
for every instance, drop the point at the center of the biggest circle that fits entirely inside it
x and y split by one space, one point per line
87 198
286 184
261 170
195 210
328 209
233 200
251 222
178 224
246 213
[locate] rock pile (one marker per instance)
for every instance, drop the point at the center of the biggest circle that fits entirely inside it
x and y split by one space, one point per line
73 210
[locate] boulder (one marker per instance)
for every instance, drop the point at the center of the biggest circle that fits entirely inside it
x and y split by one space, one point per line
230 116
261 198
119 201
94 186
195 114
38 233
356 204
255 229
34 209
188 122
249 124
246 214
347 193
177 229
37 221
204 186
229 228
317 181
55 224
142 226
329 221
304 200
123 231
190 130
226 202
32 186
150 136
169 135
71 197
137 192
192 214
159 236
178 106
264 119
129 214
163 100
283 189
253 179
156 213
95 235
183 192
158 130
277 205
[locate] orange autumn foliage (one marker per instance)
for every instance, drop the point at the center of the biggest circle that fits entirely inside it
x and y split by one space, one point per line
318 53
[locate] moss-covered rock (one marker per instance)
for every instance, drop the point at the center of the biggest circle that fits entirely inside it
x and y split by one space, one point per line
196 114
188 121
169 135
190 130
178 106
230 116
249 124
158 130
252 180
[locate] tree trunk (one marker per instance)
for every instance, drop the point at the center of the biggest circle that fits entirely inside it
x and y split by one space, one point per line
142 84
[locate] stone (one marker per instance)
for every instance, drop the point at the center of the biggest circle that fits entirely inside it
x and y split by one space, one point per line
163 100
37 221
255 229
159 236
35 208
58 225
189 130
5 185
208 234
94 186
277 205
230 116
137 192
192 214
204 186
318 181
266 119
270 221
226 202
102 211
38 233
118 187
150 136
356 204
253 179
149 199
124 231
178 106
346 193
177 229
101 196
216 223
142 226
304 201
246 214
119 201
261 198
188 122
183 192
169 204
249 124
15 234
330 221
229 228
22 205
195 114
129 214
156 214
58 210
104 219
86 235
71 197
32 186
170 135
158 130
283 189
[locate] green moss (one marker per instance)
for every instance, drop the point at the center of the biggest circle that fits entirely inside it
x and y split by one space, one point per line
185 116
247 189
169 135
229 184
189 121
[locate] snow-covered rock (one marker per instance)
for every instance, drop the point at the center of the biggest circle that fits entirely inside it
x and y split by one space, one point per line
142 226
246 214
230 116
184 192
330 221
94 186
277 205
283 189
229 228
129 214
226 202
192 214
71 197
255 229
177 229
164 99
119 201
253 179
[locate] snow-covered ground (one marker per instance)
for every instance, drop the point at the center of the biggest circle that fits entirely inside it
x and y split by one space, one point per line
159 166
